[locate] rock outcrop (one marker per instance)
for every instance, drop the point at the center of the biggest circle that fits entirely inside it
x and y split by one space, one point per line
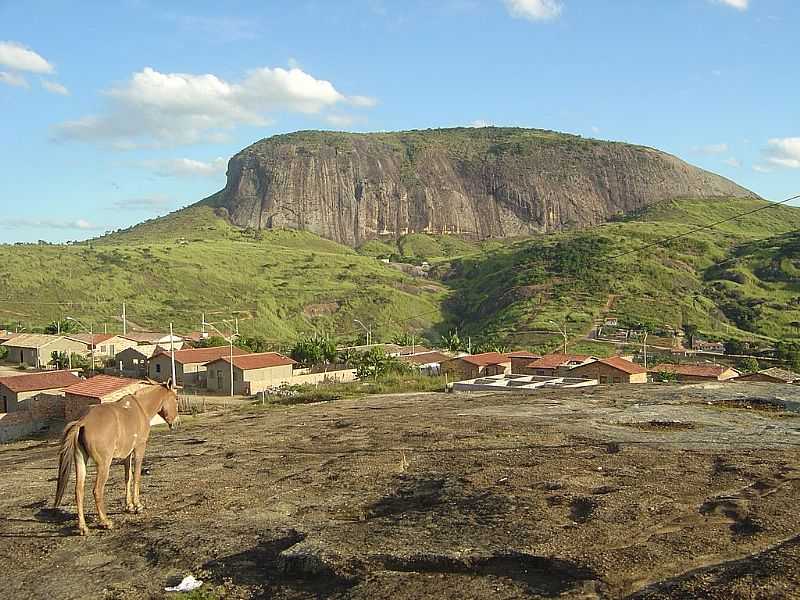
487 182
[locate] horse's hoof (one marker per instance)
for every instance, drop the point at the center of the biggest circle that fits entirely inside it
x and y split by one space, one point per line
130 508
83 531
139 508
106 525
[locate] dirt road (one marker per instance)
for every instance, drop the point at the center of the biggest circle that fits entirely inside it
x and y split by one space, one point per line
642 491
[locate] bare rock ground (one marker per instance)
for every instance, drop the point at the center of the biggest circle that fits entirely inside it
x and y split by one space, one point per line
638 492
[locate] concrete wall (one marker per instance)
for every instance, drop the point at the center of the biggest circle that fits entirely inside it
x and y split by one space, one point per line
34 357
339 376
42 410
160 369
75 406
246 382
607 374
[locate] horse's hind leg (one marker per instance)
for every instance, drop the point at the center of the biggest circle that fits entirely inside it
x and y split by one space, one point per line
103 467
80 480
129 484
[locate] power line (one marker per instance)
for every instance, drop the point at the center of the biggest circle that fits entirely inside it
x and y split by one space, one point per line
702 228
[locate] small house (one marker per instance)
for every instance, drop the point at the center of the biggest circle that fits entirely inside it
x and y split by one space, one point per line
611 370
96 390
154 338
696 373
521 358
429 363
772 375
472 366
16 391
555 365
411 350
103 345
252 373
133 361
36 350
190 364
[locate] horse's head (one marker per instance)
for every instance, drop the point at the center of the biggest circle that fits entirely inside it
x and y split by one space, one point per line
169 404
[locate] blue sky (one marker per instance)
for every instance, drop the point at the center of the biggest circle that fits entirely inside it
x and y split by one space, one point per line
115 112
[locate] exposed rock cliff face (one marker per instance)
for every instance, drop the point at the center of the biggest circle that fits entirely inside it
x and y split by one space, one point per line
489 182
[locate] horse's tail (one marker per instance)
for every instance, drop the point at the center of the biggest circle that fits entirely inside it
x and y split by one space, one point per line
66 457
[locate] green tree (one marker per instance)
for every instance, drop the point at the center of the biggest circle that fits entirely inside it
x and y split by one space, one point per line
735 347
255 344
212 341
375 363
3 352
691 332
452 341
315 350
748 365
60 360
64 326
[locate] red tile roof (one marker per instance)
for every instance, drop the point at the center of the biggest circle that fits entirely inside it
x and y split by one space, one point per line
100 386
623 365
553 361
192 356
262 360
87 339
410 350
425 358
712 371
523 354
34 382
487 358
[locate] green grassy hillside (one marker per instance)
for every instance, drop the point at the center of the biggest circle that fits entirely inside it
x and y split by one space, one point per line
511 293
280 283
729 281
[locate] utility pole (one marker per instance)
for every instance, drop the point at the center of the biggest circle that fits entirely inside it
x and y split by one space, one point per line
562 329
124 320
203 324
368 330
172 355
644 345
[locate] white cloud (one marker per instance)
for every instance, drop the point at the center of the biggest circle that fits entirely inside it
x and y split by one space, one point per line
761 169
737 4
534 10
784 152
362 101
187 167
78 224
154 202
341 120
711 149
595 129
18 57
55 88
13 79
733 162
164 109
480 123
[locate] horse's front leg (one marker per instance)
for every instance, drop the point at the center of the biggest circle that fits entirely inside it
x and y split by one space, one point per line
103 468
138 458
129 484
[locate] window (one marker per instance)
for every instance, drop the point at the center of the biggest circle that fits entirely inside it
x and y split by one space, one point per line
158 368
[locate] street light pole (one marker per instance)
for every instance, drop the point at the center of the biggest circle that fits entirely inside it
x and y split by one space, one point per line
91 339
563 332
367 330
229 339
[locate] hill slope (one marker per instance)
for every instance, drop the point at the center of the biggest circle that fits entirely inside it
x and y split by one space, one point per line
280 284
476 182
717 280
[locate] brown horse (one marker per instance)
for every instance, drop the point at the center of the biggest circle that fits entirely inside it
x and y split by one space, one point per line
114 430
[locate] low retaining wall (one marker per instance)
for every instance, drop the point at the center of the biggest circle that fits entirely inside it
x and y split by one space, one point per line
42 411
343 376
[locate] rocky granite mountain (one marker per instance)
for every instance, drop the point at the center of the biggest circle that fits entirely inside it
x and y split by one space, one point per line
474 182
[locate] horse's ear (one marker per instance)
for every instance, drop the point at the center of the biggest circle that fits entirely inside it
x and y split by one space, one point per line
168 383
